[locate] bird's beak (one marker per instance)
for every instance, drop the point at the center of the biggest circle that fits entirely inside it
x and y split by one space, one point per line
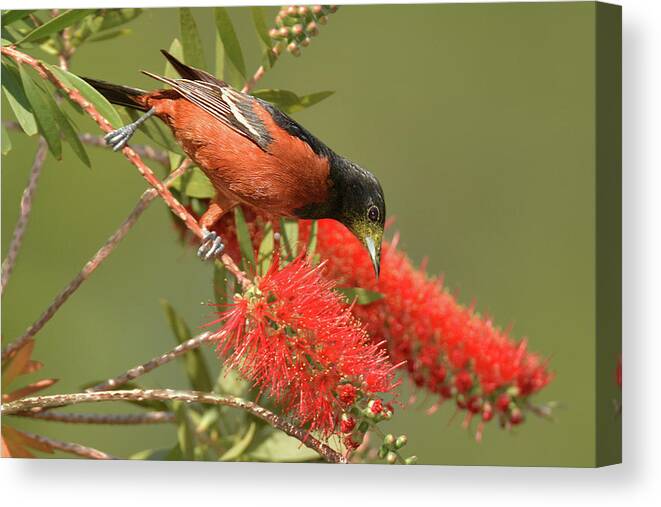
375 254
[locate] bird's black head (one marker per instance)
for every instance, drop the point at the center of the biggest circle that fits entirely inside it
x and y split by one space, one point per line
359 205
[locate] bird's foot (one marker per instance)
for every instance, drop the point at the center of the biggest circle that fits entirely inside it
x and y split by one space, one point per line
211 245
117 139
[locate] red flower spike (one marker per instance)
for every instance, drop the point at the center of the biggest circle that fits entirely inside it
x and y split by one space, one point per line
376 406
347 424
347 394
295 338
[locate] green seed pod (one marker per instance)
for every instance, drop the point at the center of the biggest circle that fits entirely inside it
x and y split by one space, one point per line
391 458
383 450
389 440
401 441
411 460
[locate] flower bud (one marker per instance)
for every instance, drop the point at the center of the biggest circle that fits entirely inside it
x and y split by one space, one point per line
387 415
347 424
274 33
391 458
312 28
412 460
322 20
375 406
284 32
293 48
332 8
383 450
401 441
303 10
389 440
292 10
306 42
297 29
516 416
317 9
503 402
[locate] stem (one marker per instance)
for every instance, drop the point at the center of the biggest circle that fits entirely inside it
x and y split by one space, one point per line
89 268
156 417
60 400
153 363
128 152
259 73
26 207
70 447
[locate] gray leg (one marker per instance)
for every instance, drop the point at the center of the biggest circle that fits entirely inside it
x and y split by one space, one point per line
211 245
118 138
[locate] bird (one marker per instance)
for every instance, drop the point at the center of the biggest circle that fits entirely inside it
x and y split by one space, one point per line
255 154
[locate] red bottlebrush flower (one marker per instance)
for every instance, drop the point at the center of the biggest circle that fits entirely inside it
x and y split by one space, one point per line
503 402
376 406
443 343
295 338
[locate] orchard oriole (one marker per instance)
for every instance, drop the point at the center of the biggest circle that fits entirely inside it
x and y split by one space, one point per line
254 153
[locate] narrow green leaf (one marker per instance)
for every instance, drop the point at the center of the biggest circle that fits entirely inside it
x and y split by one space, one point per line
177 51
6 141
195 184
312 239
100 102
8 17
220 58
265 252
289 241
45 119
245 243
109 34
13 88
240 447
68 132
113 18
190 39
288 101
185 435
230 40
359 295
277 446
220 283
196 367
259 19
151 455
67 18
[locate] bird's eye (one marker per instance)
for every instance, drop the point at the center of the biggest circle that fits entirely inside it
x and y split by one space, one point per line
373 213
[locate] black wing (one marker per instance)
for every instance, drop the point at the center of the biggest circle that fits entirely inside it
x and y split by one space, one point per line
234 109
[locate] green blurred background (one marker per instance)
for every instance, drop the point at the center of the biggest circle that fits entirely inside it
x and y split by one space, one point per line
479 122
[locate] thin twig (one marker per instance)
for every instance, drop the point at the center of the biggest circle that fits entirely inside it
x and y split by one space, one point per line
155 417
128 152
70 447
153 363
259 73
91 265
60 400
26 207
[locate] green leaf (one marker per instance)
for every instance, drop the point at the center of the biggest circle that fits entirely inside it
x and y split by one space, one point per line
359 295
67 18
259 20
69 133
185 434
240 447
13 88
6 141
113 18
8 17
45 119
232 384
231 43
220 58
88 92
220 283
277 446
245 243
177 51
151 455
190 39
196 368
110 34
312 239
265 252
289 241
195 184
288 101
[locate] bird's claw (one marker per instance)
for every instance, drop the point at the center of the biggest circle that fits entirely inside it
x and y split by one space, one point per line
120 137
211 245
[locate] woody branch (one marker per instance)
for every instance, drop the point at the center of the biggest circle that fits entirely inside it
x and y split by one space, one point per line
60 400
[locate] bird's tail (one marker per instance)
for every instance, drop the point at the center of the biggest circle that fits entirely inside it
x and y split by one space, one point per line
120 95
